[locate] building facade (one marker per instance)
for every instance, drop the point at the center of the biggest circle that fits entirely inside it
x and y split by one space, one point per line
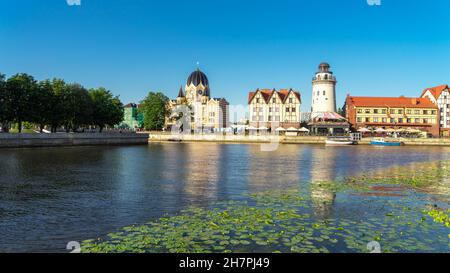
132 119
323 90
440 96
272 109
206 113
390 112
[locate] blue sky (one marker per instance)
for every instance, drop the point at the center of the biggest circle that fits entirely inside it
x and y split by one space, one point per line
135 46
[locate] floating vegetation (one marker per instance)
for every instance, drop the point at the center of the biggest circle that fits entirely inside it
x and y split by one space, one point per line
327 218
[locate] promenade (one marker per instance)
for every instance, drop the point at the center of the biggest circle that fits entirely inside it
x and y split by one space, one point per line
167 137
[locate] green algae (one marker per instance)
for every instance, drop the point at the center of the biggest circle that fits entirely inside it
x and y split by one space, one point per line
290 220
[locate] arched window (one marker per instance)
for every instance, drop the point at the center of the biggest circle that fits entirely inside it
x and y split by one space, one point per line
324 92
318 93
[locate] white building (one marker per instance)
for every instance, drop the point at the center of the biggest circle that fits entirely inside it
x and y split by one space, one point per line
207 113
440 96
324 90
273 109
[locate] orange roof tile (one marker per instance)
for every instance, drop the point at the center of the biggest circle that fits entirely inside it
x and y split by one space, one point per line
391 102
436 91
267 94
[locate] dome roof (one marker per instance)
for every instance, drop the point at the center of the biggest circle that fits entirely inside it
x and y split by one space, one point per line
197 77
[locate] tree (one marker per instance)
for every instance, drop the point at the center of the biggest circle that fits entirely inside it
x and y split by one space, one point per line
4 105
154 109
43 101
76 105
107 109
19 93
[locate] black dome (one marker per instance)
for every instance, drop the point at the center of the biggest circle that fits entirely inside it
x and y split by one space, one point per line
197 77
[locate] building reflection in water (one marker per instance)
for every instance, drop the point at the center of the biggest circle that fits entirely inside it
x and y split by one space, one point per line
323 174
277 169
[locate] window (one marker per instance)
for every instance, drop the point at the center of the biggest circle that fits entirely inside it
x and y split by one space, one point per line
384 120
270 109
408 120
392 120
260 110
417 112
367 119
274 100
277 109
425 120
400 120
254 118
358 119
277 118
359 111
270 118
417 120
293 110
409 111
392 111
324 92
383 111
290 100
254 109
375 111
433 112
318 93
425 112
375 119
257 100
367 111
400 111
287 109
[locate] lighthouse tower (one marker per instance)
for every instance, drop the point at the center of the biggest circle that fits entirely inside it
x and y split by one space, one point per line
324 90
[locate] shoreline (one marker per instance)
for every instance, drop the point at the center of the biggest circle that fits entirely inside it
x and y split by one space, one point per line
70 139
241 139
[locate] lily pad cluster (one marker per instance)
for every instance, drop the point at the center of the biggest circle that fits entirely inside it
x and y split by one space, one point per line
291 221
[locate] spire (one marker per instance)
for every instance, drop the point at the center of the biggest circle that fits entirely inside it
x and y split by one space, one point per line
180 93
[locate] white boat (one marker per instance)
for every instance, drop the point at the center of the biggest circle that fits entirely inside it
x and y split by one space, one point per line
340 141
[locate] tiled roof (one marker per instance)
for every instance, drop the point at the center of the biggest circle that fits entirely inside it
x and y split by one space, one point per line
436 91
390 102
267 94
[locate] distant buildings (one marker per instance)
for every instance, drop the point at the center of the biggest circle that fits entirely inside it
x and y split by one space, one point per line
206 113
271 109
440 96
389 112
132 119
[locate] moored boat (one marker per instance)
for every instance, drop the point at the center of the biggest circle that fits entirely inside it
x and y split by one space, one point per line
383 142
340 141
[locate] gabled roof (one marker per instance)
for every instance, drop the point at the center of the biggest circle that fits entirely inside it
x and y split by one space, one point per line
268 93
180 93
436 91
390 102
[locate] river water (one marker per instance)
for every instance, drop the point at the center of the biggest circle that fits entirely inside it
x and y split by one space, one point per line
50 196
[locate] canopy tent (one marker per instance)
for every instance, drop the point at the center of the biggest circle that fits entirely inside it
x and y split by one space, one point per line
292 129
364 130
280 129
263 128
303 129
380 130
252 128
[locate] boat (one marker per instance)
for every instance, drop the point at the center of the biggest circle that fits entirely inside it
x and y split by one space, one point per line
340 141
383 142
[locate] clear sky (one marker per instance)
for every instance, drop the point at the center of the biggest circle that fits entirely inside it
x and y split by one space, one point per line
135 46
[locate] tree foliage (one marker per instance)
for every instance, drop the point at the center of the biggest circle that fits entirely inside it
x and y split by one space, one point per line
55 103
154 109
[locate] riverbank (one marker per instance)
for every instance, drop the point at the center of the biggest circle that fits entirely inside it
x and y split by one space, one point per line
70 139
166 137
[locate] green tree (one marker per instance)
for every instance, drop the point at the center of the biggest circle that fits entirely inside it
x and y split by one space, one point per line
58 115
77 106
154 109
107 109
4 105
19 92
43 101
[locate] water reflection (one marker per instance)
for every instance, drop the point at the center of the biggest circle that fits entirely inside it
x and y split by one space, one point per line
54 195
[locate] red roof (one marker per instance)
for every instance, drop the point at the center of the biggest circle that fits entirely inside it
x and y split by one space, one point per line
390 102
267 94
436 91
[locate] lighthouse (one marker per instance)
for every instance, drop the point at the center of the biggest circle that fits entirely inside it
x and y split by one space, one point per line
324 90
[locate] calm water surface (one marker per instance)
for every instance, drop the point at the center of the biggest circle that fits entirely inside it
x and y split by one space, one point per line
51 196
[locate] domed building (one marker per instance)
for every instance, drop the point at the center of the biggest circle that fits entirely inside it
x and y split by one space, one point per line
207 113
